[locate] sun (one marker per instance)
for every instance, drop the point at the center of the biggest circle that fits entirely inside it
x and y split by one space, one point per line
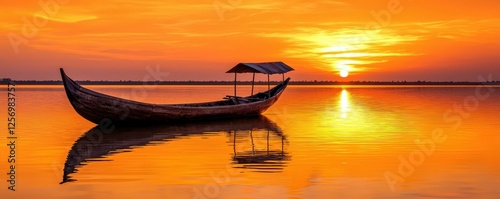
344 73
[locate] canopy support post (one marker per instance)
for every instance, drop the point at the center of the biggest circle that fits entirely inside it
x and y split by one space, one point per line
253 82
268 132
253 145
268 87
235 84
283 76
282 145
234 144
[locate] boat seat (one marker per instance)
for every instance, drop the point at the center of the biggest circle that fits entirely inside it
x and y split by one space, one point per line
243 101
263 95
253 99
231 97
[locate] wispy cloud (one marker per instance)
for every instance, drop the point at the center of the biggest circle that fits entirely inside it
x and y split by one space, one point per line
343 49
458 29
323 35
66 18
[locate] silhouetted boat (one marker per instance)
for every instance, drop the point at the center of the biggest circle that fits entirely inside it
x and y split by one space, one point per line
97 107
97 143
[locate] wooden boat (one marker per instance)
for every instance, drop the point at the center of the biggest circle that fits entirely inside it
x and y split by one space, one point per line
97 107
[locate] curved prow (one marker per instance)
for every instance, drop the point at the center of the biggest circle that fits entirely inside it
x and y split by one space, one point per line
69 86
284 84
278 88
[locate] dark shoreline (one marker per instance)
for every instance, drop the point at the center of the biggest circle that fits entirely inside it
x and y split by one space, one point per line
311 83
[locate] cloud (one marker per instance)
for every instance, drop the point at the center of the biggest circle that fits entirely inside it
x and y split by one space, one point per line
67 18
341 49
323 35
459 29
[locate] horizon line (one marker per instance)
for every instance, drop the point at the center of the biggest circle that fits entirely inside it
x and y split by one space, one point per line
227 82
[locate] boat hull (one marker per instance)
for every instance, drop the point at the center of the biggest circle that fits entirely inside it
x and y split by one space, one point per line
100 108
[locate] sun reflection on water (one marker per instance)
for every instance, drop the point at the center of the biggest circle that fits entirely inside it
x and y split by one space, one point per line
352 114
344 103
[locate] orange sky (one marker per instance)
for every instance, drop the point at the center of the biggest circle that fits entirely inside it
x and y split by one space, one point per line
200 40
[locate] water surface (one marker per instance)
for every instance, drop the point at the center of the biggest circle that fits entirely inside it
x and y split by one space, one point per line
316 142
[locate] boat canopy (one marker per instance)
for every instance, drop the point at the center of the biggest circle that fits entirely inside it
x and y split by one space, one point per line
265 68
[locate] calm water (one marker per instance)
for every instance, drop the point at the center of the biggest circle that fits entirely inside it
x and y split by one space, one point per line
316 142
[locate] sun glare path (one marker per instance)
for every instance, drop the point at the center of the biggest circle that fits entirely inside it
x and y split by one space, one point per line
344 103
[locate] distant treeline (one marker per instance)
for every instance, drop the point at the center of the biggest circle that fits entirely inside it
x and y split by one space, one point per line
59 82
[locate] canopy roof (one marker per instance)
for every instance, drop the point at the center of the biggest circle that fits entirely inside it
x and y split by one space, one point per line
266 68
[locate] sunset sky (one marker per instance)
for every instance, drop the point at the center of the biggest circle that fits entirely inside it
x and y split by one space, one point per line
381 40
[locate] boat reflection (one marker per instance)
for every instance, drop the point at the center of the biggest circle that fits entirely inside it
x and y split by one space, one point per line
266 152
99 142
